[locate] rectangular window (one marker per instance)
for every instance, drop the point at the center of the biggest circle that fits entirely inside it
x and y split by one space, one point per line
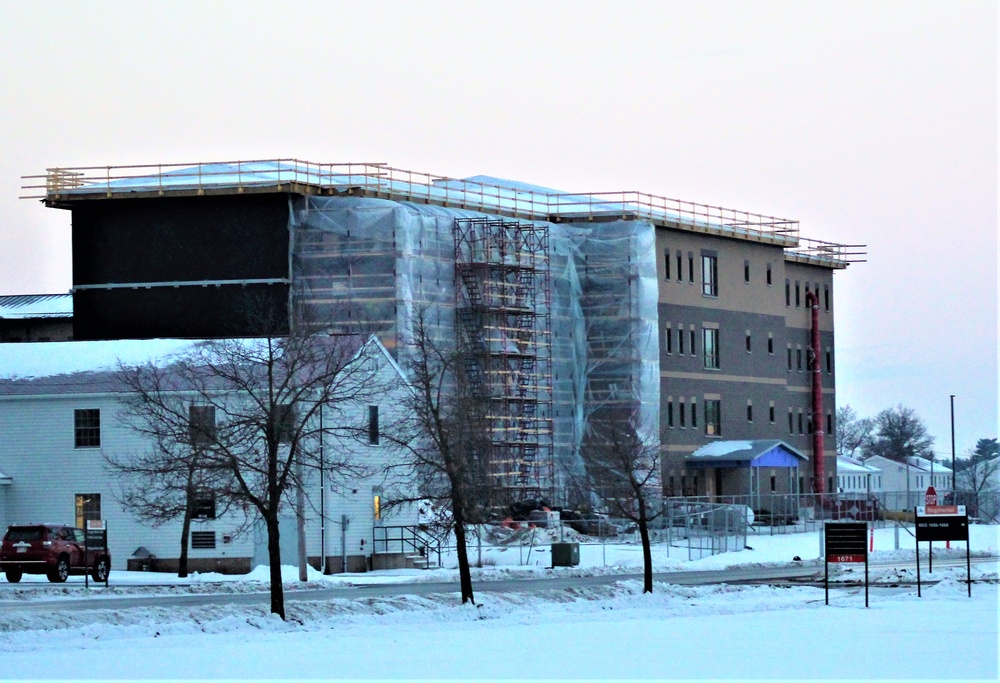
749 343
788 292
710 344
666 264
680 414
801 424
709 274
770 344
88 507
829 423
377 503
791 422
284 422
774 483
694 414
669 336
373 425
826 297
691 267
789 357
680 339
770 413
768 274
87 428
829 362
201 425
713 417
746 271
798 358
203 540
798 294
204 504
693 336
749 412
670 413
680 266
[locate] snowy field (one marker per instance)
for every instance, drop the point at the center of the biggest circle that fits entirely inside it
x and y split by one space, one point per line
604 632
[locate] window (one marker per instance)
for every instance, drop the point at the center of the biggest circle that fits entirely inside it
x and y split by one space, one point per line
788 292
694 414
693 336
774 483
791 422
87 428
798 294
770 412
377 503
798 358
669 336
666 264
670 412
691 267
801 429
680 266
88 506
203 540
746 271
749 411
826 297
680 339
710 344
204 504
829 362
829 423
680 414
709 274
770 343
201 425
713 417
284 422
789 357
373 425
749 342
768 274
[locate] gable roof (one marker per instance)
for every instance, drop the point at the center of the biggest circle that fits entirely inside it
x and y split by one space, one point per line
754 453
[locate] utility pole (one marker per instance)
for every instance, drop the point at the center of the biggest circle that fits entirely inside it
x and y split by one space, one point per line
952 445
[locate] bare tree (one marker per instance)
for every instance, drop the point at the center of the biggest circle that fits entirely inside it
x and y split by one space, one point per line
443 443
275 399
623 473
981 476
899 434
853 433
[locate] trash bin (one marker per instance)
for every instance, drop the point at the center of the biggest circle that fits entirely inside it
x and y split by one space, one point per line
565 554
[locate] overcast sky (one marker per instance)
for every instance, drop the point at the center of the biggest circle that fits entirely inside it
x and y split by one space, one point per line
870 122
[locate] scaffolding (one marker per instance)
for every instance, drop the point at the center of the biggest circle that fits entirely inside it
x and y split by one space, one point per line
503 323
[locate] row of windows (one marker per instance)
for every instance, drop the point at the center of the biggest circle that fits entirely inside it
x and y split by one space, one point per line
859 481
202 425
685 342
684 414
709 269
800 299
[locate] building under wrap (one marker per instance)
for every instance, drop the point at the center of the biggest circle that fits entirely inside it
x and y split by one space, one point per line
558 300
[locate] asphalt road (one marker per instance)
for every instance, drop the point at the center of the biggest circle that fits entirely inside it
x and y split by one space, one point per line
806 571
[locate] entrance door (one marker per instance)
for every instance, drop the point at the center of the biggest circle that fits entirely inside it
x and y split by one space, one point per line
718 481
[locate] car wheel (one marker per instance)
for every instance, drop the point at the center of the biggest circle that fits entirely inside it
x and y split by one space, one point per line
59 574
101 570
13 576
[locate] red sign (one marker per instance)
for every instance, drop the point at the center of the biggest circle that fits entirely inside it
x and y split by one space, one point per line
941 510
930 498
845 558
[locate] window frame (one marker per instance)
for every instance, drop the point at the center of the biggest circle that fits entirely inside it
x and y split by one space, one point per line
373 425
710 274
710 348
713 416
86 428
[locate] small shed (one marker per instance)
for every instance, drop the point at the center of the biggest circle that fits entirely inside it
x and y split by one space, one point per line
749 468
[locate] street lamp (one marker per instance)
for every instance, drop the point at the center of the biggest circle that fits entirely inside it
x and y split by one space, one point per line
952 396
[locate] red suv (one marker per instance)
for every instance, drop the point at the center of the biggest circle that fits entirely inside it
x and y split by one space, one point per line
51 549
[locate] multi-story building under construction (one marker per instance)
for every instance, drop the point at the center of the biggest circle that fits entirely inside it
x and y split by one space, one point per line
701 324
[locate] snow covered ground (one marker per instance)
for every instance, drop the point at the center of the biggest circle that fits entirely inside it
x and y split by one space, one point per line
602 632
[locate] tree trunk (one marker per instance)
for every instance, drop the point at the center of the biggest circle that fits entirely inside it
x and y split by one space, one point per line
647 553
464 574
274 559
182 564
300 521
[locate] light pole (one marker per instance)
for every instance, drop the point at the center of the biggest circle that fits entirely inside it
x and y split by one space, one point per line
952 396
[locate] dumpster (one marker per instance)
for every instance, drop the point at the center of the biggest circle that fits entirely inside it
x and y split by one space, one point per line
565 554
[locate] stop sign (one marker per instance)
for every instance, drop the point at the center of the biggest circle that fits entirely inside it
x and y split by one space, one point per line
930 498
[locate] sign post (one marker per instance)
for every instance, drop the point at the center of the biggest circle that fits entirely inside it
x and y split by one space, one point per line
942 523
845 542
95 536
930 500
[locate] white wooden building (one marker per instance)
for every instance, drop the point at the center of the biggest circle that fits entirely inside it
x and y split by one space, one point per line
854 476
60 408
908 480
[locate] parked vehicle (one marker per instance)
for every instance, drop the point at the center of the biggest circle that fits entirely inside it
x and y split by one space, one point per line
51 549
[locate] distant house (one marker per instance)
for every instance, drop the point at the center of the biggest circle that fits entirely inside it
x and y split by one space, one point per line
61 413
854 476
905 483
36 317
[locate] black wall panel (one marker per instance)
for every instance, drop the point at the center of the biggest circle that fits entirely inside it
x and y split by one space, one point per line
184 238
